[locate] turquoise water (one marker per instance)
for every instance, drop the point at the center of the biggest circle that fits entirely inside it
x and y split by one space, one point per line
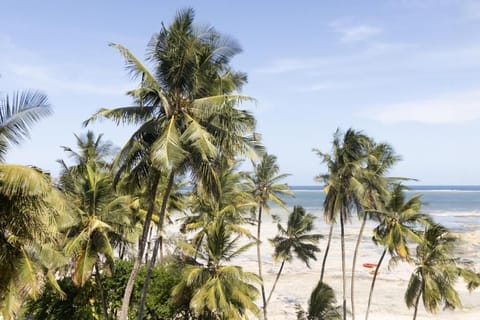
457 207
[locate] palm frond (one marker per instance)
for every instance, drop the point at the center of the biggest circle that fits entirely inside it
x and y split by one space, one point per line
123 115
196 135
17 115
19 180
168 150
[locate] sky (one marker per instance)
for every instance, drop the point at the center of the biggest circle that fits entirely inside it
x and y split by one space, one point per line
405 72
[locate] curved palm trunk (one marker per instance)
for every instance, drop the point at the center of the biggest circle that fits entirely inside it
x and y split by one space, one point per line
259 260
98 280
373 282
141 246
416 307
151 264
330 233
344 281
355 253
276 280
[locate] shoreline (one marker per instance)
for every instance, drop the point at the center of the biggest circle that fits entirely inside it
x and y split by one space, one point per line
297 280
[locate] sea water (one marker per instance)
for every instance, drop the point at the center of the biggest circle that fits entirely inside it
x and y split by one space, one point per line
456 207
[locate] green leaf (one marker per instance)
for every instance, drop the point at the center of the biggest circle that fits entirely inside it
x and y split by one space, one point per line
196 135
168 151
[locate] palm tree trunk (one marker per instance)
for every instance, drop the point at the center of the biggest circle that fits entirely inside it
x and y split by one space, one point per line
344 281
259 260
276 280
160 239
98 280
416 307
151 264
355 253
155 178
122 251
326 252
149 239
373 282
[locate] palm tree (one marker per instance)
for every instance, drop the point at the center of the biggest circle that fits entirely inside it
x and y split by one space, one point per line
233 202
218 291
436 272
266 188
17 114
343 187
379 160
100 212
30 202
31 216
399 225
186 112
321 306
296 238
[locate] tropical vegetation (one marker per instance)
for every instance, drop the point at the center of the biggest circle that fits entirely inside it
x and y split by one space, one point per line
296 238
265 187
160 227
436 272
321 306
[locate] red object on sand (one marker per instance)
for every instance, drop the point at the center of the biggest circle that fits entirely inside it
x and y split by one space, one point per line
369 265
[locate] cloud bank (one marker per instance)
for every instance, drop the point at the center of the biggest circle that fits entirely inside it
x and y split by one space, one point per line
458 108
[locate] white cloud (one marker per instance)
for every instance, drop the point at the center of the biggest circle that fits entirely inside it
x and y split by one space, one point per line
358 33
316 87
285 65
336 63
53 80
380 60
24 69
456 108
354 33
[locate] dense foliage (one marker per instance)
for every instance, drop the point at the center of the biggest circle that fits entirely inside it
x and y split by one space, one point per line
83 303
85 246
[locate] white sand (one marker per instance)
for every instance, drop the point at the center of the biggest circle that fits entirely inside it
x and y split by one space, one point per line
297 280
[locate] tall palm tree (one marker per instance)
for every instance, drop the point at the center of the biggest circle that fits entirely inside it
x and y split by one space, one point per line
321 306
296 238
266 188
400 224
100 212
379 161
343 187
218 290
30 202
436 272
187 114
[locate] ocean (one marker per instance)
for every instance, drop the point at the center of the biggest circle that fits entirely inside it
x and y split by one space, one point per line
456 207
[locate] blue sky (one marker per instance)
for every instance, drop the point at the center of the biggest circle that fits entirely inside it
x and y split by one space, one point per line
405 72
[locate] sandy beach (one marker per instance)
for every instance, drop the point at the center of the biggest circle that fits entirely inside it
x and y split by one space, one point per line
297 281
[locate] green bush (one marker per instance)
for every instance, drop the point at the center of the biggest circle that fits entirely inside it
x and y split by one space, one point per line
84 303
79 303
